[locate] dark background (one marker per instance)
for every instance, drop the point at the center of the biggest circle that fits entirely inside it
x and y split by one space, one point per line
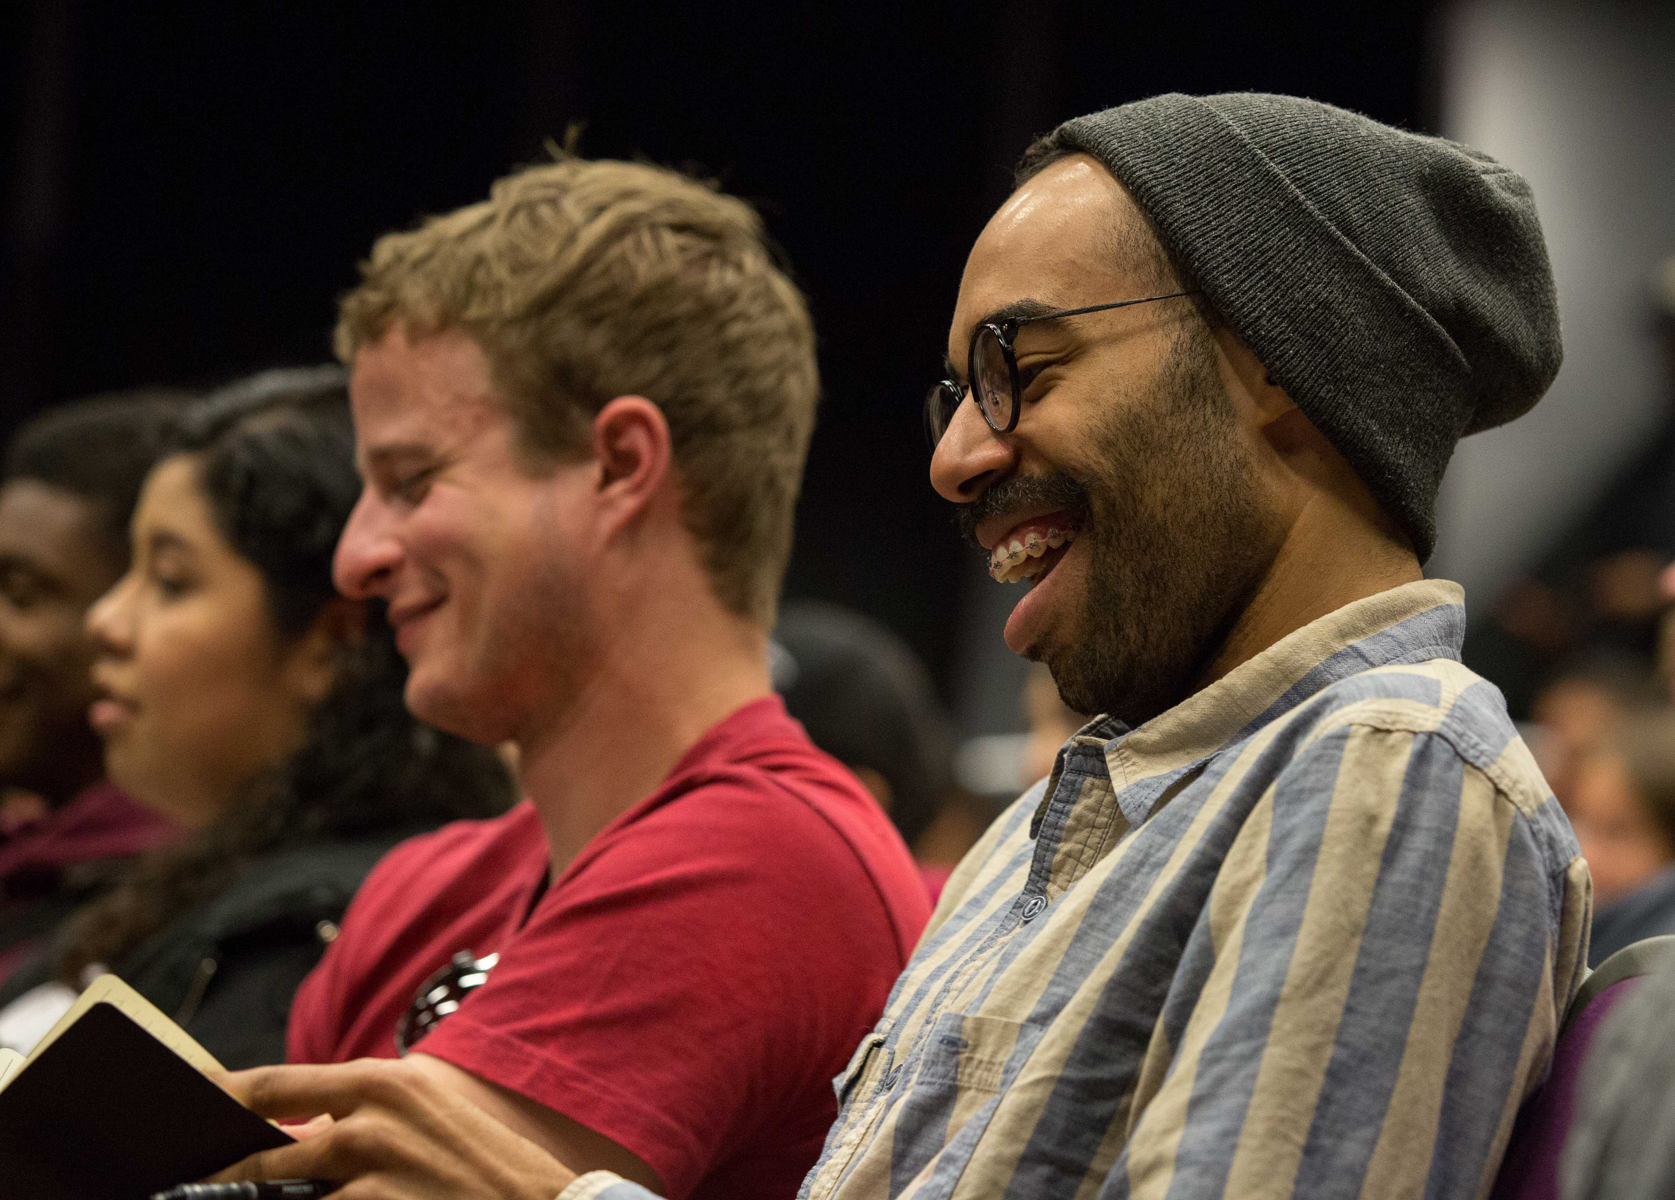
188 186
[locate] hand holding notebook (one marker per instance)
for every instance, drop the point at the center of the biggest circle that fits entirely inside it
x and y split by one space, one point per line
114 1104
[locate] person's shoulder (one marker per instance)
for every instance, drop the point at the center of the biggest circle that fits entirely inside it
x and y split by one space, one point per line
469 838
1442 702
774 808
1401 695
772 775
1622 1137
798 808
814 815
318 879
484 844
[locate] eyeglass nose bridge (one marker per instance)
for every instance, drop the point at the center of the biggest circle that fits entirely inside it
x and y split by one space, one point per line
941 402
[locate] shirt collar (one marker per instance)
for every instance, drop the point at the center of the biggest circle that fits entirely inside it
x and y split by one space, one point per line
1412 623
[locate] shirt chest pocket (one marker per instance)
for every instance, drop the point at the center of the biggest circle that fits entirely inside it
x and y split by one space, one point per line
952 1087
967 1053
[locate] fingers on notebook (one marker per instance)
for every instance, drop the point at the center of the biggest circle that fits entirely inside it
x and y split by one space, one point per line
303 1093
396 1132
307 1129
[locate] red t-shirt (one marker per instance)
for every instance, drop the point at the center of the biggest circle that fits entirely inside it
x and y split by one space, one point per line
688 987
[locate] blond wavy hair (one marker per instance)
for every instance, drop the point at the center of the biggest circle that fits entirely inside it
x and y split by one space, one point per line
583 281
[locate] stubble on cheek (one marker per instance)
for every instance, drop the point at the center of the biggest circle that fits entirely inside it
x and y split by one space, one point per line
1175 543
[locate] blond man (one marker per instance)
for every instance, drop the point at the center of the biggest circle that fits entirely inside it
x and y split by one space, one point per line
582 409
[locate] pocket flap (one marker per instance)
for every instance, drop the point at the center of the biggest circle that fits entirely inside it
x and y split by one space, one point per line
870 1053
970 1052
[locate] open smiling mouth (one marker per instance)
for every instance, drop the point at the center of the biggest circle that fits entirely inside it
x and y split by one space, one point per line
1029 552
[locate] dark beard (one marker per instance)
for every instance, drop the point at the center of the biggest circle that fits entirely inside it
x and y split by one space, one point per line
1178 546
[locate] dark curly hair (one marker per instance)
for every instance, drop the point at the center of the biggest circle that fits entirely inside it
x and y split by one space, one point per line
275 458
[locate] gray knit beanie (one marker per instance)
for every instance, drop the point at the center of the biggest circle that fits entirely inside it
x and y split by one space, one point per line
1395 285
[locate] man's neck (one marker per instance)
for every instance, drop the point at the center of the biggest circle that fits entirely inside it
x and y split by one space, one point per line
661 682
1332 555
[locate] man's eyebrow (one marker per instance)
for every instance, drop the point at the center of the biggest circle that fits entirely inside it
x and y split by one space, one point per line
386 453
1024 309
1017 310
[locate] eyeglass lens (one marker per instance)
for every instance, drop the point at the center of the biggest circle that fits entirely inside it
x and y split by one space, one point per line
993 384
993 381
940 403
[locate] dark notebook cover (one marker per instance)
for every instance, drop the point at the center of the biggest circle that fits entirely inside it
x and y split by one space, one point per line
108 1112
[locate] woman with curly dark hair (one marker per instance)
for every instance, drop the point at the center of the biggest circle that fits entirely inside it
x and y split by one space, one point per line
245 699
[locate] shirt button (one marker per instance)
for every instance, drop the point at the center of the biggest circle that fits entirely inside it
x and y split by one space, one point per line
1033 907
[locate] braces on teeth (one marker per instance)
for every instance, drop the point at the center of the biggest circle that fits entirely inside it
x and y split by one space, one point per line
1020 558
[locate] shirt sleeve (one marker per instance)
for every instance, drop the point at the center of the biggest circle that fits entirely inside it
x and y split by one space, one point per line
602 1185
1372 984
696 983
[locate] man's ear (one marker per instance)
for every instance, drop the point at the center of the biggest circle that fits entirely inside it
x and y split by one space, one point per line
312 662
1259 400
632 450
1269 414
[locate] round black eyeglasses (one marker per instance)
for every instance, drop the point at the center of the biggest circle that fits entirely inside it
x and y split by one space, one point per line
993 370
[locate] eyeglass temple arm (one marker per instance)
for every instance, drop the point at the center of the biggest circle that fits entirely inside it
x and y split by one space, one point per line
1076 312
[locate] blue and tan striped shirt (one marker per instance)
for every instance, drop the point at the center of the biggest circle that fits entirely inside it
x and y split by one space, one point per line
1309 933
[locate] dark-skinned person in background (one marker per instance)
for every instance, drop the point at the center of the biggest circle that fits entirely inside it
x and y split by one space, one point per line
866 699
69 483
1297 915
582 409
241 697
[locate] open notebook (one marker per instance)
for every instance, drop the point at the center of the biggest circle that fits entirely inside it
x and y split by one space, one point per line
114 1104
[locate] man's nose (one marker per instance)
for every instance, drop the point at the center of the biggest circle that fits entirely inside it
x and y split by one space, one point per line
970 456
367 552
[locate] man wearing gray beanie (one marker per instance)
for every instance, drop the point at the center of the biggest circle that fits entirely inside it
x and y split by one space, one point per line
1297 915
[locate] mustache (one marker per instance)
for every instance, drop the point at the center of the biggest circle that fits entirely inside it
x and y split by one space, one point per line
1050 491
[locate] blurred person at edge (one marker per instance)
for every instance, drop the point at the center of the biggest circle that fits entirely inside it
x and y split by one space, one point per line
1297 915
1623 812
1576 709
866 699
1598 587
1051 721
69 484
246 701
582 409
